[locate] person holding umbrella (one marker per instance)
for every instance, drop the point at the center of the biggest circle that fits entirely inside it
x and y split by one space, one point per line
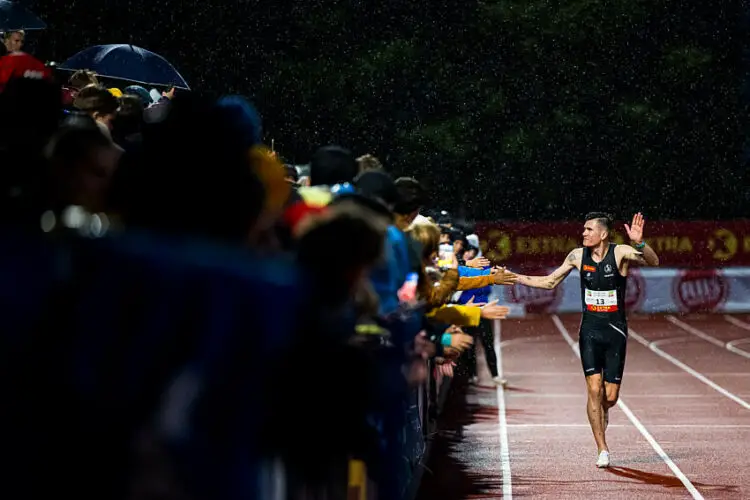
126 62
15 20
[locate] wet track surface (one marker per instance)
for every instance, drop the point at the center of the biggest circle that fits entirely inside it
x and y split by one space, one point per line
689 394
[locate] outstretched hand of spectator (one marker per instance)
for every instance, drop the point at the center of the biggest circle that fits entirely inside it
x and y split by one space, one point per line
461 341
504 277
446 369
494 311
479 262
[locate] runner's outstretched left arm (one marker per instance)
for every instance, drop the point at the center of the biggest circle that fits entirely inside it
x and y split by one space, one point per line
573 261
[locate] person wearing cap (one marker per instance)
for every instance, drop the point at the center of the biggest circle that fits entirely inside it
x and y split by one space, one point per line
378 186
411 199
139 91
330 166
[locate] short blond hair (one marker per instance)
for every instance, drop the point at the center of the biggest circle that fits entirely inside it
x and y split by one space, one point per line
8 34
83 78
369 162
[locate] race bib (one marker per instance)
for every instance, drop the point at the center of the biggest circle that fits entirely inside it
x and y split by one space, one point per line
600 300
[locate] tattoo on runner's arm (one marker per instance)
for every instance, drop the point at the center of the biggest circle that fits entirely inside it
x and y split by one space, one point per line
556 278
551 281
638 257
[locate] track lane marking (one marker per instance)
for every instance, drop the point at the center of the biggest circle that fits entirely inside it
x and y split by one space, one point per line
634 420
630 396
708 338
737 322
632 374
622 426
654 347
503 428
526 340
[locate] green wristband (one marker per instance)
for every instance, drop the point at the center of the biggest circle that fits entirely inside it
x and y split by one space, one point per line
640 245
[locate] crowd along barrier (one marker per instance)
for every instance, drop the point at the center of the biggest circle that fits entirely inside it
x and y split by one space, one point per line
411 443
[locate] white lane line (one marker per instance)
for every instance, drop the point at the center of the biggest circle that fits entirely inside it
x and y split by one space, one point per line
654 346
504 447
503 430
738 342
660 426
741 324
737 322
729 346
630 374
514 395
634 420
671 340
523 340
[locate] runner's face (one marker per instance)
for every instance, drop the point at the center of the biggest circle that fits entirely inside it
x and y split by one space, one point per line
593 233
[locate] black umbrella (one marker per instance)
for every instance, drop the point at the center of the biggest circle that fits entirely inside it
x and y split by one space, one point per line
126 62
15 17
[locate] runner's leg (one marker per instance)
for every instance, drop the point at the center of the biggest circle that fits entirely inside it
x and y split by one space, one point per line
614 365
592 359
595 411
611 394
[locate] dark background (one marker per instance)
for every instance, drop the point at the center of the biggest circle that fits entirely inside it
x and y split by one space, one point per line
513 109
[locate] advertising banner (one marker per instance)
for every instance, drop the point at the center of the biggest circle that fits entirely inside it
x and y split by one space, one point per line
649 291
688 245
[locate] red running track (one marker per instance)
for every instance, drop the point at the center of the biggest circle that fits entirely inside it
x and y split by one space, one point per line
684 389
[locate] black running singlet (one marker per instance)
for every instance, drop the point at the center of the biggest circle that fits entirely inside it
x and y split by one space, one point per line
602 290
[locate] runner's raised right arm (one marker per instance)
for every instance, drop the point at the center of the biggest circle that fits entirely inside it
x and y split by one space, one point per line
572 261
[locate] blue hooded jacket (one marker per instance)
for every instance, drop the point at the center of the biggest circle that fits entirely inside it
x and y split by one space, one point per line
388 277
480 294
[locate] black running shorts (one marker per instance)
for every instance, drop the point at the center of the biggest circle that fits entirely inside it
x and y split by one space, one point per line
603 348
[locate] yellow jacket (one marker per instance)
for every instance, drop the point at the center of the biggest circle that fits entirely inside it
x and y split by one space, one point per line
457 315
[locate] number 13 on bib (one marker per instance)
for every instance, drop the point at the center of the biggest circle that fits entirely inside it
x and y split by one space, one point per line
601 300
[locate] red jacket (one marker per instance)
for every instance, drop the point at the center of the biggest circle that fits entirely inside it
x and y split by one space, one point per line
21 65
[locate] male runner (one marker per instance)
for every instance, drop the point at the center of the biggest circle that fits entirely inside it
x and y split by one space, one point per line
604 329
